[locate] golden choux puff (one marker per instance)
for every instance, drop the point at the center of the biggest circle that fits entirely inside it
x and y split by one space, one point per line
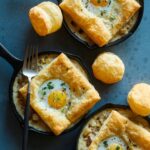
46 18
108 68
139 99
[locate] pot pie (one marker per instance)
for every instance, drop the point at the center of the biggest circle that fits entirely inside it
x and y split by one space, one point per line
100 22
46 18
61 104
19 103
113 119
108 68
118 126
139 99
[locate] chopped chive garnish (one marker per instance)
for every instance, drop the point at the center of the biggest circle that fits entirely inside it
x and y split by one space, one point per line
105 143
117 148
63 110
50 87
103 12
44 93
64 89
112 18
44 88
86 4
62 84
49 83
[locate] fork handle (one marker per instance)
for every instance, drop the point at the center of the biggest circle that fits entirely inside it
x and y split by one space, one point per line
26 119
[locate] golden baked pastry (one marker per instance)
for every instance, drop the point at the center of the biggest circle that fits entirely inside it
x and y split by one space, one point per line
139 99
128 134
100 28
46 18
108 68
93 126
61 96
35 121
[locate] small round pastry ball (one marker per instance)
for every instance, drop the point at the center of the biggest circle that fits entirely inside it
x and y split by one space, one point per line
46 18
108 68
139 99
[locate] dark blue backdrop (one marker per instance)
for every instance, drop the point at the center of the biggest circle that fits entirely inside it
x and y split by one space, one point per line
16 32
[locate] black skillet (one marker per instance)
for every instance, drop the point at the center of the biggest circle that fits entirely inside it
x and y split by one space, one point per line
17 65
106 106
125 37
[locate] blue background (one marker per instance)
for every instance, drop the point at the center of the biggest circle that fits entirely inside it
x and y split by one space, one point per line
16 32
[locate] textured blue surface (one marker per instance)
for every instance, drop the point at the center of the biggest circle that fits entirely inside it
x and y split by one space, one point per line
16 32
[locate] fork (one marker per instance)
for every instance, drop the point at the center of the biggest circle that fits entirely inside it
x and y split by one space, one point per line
29 70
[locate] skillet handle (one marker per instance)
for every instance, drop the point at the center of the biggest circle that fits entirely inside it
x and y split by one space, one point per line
12 60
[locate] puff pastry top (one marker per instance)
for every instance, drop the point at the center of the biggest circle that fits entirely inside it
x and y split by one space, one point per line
118 125
46 18
100 29
84 95
139 99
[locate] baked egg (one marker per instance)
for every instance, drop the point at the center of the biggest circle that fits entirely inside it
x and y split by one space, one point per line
54 93
112 143
108 10
102 3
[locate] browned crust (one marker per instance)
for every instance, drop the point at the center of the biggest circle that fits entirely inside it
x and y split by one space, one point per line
54 120
87 103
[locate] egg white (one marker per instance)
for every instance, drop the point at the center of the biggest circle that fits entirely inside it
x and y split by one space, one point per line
106 143
97 9
52 85
108 14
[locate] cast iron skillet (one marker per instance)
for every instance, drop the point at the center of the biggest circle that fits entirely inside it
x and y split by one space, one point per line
17 65
106 106
125 37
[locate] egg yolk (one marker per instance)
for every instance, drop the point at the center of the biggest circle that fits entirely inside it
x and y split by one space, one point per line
102 3
115 147
57 99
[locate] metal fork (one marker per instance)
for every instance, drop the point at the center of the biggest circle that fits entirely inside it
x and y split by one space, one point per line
29 70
